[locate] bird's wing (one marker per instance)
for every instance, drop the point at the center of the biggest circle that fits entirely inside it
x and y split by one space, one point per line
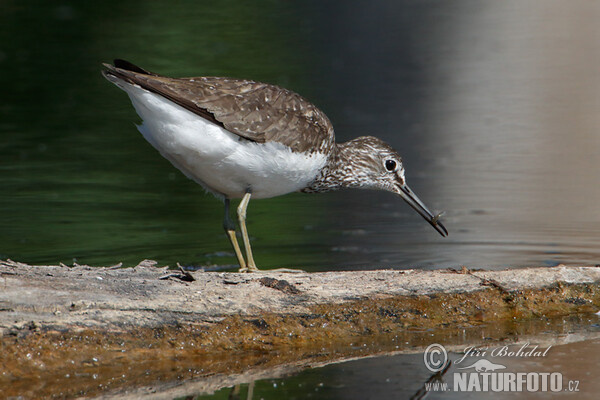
256 111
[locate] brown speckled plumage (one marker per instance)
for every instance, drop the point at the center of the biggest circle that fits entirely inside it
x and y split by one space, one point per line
357 164
253 110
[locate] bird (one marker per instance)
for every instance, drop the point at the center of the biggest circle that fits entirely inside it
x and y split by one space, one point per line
243 139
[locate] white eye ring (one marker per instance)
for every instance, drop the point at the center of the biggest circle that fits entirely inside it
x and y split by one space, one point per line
390 165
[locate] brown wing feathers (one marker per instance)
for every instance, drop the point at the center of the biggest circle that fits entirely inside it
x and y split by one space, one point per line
253 110
156 84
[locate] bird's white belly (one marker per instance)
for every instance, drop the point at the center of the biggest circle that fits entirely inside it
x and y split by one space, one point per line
219 160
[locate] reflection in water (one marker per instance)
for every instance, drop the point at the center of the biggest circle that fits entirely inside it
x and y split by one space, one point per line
402 373
235 392
493 106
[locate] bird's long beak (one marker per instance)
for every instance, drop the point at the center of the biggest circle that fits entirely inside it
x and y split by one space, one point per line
411 198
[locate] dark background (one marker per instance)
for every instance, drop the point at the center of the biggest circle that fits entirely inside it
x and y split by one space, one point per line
494 107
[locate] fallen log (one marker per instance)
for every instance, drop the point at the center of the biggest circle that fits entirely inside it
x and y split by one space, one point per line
63 321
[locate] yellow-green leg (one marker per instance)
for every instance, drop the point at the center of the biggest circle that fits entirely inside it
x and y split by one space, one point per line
229 227
238 251
241 211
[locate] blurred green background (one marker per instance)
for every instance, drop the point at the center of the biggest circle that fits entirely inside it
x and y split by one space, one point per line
79 181
493 106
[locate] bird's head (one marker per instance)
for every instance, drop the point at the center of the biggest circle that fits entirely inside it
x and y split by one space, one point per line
373 164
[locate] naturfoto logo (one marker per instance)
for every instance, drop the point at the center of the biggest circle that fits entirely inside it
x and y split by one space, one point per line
485 375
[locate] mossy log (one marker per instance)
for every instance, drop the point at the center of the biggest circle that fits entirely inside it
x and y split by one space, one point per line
63 321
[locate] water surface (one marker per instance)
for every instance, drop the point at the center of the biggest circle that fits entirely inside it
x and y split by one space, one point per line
401 374
493 105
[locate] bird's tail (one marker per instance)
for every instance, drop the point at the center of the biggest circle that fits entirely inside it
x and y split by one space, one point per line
124 70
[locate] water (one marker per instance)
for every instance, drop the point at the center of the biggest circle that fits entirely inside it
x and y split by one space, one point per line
380 378
401 373
494 106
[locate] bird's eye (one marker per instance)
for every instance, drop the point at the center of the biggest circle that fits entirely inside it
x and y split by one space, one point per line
390 165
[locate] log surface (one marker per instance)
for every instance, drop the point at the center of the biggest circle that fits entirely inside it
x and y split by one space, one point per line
60 297
79 331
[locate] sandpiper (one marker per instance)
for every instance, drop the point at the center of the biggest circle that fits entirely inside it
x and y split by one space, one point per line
241 139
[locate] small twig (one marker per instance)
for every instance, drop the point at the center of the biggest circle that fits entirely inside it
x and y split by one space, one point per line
117 266
11 263
182 275
463 270
186 274
493 283
146 263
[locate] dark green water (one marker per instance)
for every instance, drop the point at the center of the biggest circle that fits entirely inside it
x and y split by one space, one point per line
493 107
79 181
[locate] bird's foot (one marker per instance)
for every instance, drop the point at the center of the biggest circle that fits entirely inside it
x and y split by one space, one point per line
249 268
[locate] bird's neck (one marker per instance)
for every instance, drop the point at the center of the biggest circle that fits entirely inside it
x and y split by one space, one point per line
341 171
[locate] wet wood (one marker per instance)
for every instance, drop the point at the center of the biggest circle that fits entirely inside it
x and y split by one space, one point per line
67 324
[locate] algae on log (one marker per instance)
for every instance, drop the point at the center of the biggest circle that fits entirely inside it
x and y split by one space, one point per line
74 319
